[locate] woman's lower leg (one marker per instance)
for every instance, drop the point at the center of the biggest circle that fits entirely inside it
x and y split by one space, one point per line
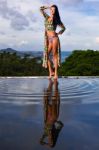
56 66
50 69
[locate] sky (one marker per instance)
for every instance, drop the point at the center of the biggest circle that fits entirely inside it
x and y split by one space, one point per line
22 24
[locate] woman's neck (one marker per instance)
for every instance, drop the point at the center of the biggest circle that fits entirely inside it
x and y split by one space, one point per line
52 16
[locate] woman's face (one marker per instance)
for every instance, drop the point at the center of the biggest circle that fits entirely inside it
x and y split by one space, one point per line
52 10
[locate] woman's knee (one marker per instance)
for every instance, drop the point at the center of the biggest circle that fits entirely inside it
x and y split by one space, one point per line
55 51
55 54
49 48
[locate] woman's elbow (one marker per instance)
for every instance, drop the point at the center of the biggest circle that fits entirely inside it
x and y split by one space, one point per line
64 28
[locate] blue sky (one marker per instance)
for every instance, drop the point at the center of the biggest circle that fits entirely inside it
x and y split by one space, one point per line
22 25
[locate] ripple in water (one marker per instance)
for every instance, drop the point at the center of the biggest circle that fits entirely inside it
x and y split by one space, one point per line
26 91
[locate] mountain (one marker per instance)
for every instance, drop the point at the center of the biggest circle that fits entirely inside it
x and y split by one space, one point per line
20 53
64 54
10 50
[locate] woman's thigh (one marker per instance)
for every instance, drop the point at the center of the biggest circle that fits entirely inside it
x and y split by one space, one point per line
55 45
50 46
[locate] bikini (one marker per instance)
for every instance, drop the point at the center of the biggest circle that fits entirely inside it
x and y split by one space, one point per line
50 38
49 26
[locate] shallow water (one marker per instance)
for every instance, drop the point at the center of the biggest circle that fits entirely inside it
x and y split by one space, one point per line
28 106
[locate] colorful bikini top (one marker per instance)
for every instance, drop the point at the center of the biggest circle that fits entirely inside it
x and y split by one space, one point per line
49 24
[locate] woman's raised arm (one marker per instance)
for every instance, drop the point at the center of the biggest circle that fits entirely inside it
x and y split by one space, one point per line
42 8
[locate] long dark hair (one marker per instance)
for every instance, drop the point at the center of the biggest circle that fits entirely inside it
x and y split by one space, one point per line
56 19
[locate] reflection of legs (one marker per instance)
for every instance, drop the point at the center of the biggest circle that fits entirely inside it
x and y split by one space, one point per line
56 101
49 89
56 85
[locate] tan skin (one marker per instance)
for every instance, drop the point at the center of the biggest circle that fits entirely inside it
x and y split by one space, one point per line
53 46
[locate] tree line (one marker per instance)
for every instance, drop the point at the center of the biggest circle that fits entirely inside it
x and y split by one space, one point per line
79 63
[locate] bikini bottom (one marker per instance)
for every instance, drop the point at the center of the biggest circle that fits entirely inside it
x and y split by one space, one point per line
50 38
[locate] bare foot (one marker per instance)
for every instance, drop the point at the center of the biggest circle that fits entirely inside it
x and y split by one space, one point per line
55 77
51 74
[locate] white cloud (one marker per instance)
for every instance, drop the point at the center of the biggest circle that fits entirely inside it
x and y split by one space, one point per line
23 42
22 25
62 2
97 40
17 19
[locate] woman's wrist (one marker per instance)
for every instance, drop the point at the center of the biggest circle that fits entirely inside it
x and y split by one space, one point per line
47 7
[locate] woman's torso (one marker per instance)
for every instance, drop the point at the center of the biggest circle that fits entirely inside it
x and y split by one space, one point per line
50 27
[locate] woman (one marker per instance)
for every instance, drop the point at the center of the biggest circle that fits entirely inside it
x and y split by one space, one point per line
51 41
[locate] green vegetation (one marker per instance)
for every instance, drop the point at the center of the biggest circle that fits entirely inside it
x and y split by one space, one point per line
13 65
79 63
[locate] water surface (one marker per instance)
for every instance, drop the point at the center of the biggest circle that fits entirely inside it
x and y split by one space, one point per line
36 114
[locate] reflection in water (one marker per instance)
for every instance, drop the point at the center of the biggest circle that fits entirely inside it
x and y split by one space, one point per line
52 126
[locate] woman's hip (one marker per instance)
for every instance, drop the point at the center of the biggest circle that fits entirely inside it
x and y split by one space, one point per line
52 38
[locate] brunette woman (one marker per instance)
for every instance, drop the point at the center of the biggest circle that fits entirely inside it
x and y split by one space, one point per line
51 40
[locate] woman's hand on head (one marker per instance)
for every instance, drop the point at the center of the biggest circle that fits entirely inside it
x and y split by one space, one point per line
47 7
44 7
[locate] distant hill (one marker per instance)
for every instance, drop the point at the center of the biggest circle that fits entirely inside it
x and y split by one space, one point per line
35 54
22 53
10 50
